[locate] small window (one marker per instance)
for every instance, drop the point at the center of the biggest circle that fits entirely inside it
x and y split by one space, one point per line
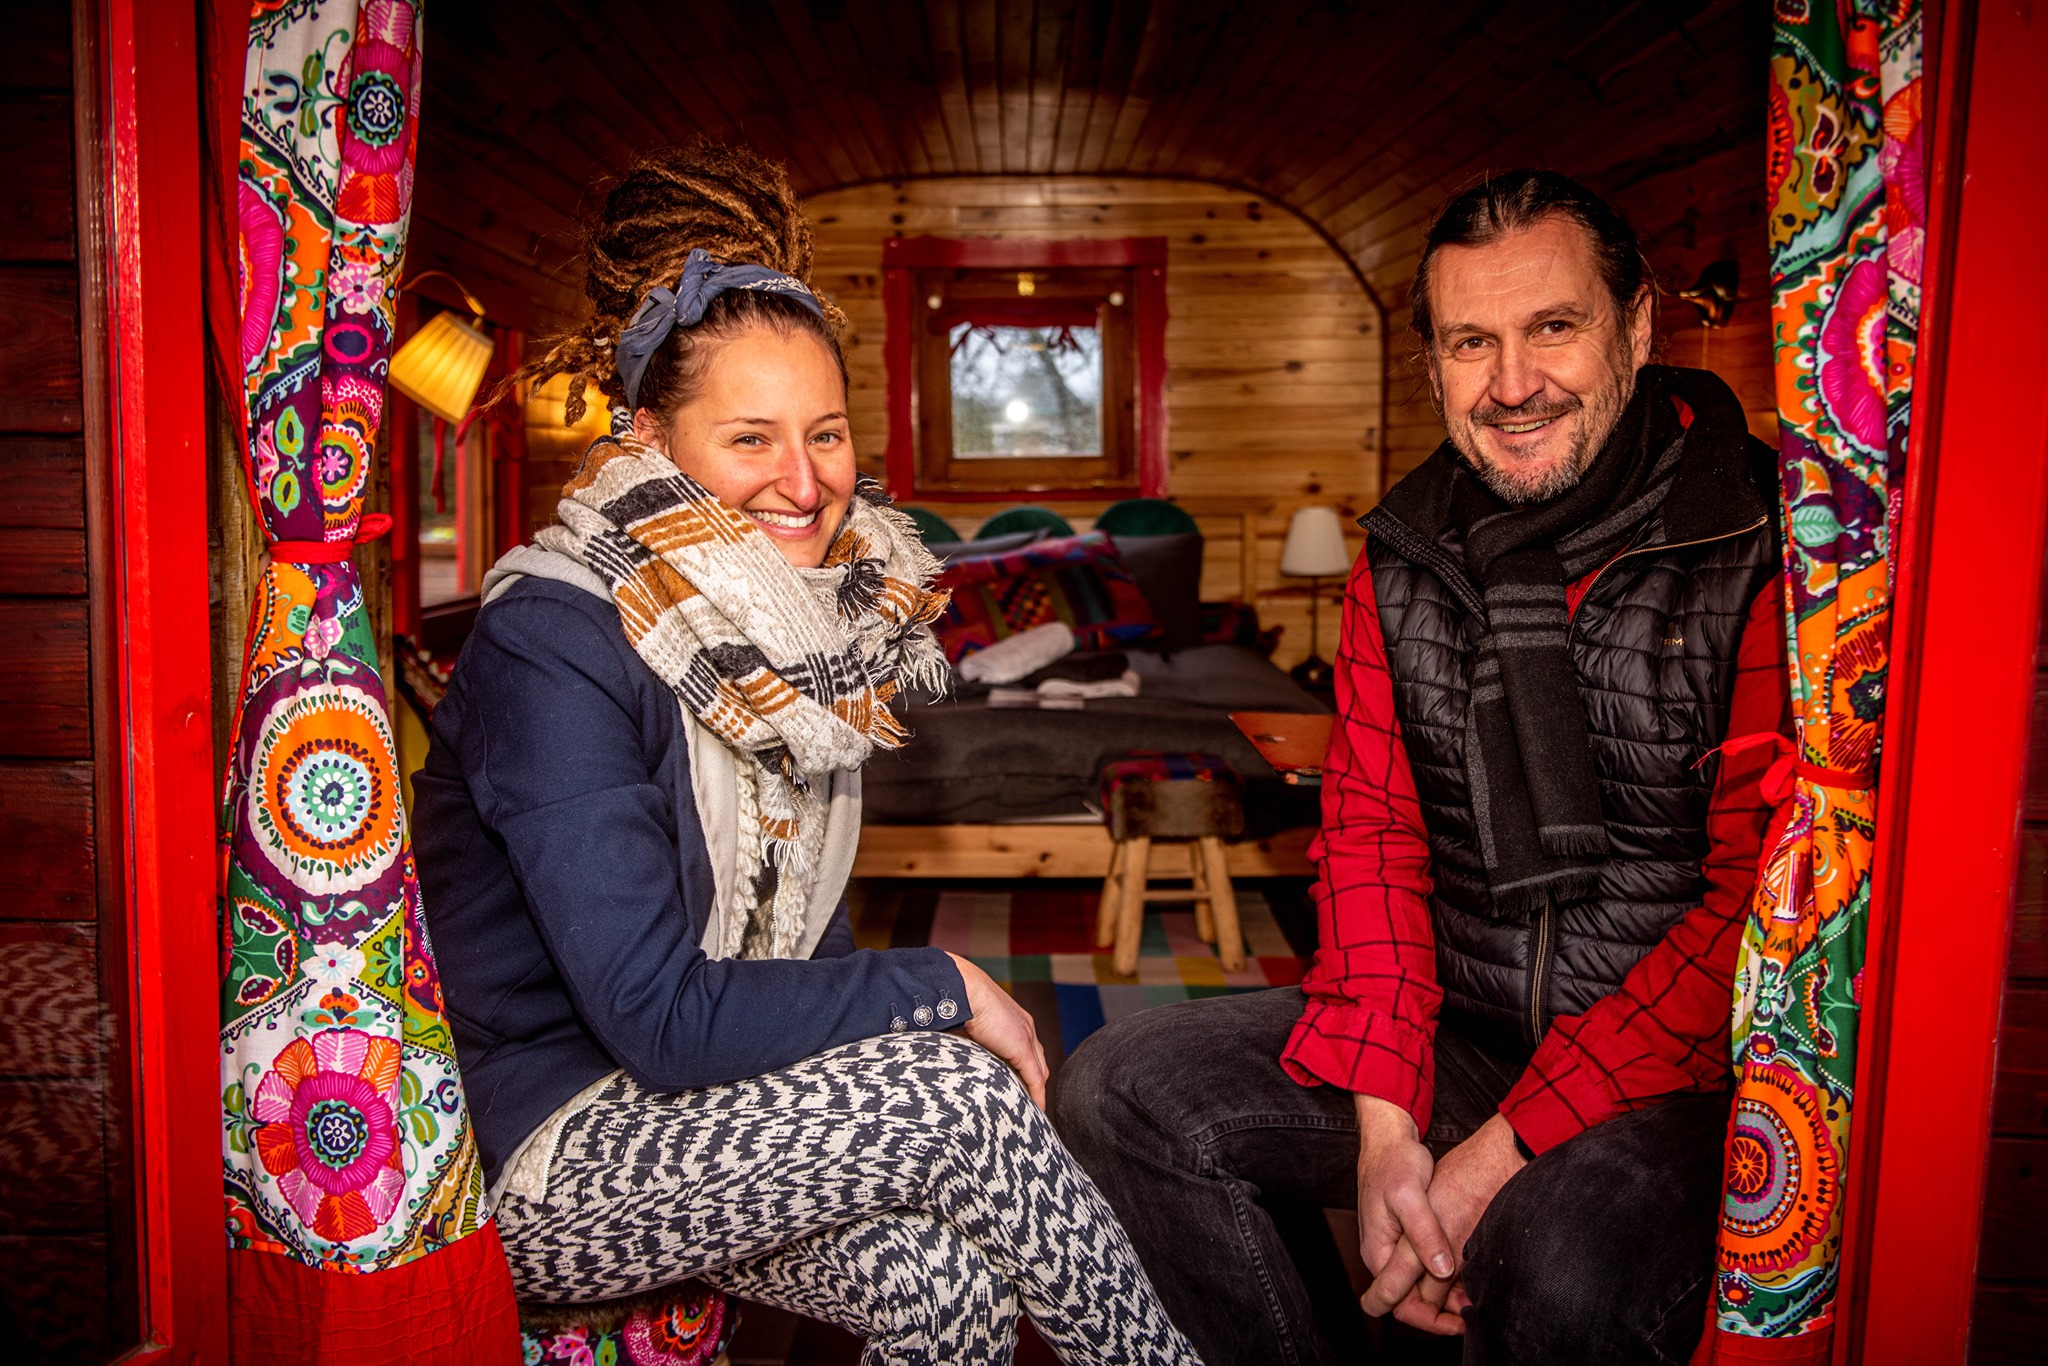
1026 372
1020 392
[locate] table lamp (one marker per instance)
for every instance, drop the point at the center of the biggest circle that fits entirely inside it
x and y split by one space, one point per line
1315 551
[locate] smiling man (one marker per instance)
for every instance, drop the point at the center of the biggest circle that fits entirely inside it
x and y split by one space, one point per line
1511 1051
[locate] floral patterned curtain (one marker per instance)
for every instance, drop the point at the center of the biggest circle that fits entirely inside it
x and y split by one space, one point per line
346 1144
1847 216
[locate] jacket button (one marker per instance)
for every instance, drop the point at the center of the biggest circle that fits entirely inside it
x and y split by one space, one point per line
922 1015
897 1024
948 1009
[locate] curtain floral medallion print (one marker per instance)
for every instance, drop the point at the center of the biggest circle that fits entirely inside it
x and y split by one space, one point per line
346 1143
1848 203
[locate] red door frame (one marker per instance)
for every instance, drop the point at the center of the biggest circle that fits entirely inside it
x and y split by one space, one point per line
148 170
1146 256
1964 640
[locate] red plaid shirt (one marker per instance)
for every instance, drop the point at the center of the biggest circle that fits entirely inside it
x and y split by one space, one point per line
1372 991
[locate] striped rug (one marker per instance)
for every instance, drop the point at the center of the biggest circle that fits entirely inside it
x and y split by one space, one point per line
1038 939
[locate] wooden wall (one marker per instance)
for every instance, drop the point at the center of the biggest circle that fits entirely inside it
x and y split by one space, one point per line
1274 353
2010 1322
57 1106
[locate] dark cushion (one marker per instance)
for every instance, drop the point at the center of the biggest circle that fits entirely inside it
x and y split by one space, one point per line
1024 519
1169 573
1146 517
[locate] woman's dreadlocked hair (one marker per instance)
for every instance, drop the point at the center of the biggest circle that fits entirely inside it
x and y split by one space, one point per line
734 204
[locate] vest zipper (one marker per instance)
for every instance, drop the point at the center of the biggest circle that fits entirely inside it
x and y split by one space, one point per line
1572 631
1546 923
1539 971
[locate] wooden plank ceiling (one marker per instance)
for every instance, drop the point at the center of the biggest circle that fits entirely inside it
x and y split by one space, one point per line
1361 115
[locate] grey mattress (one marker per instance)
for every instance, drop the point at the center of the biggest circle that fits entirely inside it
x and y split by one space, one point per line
968 763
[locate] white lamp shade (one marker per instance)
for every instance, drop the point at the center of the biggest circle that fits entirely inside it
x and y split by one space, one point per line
441 366
1315 545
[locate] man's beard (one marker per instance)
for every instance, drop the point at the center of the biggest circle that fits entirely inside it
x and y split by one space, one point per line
1601 411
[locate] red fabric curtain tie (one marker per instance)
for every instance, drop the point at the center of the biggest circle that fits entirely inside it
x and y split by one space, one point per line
373 525
1777 780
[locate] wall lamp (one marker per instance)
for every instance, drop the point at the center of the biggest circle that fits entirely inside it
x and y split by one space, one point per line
441 365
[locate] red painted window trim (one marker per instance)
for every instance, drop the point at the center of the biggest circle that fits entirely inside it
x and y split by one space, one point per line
1970 573
1146 258
149 168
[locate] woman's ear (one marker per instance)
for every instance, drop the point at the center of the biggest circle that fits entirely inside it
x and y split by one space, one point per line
647 430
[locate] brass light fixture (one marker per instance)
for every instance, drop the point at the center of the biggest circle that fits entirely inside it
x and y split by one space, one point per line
441 365
1714 294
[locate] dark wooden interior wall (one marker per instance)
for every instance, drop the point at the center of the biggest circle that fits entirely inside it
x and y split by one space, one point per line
1361 117
2010 1323
56 1266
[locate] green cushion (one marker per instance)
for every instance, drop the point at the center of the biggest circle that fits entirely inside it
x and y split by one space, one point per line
930 526
1146 517
1024 519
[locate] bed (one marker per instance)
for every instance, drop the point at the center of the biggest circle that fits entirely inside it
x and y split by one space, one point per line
984 791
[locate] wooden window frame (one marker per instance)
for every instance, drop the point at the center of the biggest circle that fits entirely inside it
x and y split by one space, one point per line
1134 389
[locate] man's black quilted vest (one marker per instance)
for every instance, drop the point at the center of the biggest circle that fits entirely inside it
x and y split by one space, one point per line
1654 641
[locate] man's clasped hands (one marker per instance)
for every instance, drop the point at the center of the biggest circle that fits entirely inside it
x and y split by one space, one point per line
1415 1213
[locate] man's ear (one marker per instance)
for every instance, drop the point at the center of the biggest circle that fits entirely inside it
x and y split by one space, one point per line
1642 316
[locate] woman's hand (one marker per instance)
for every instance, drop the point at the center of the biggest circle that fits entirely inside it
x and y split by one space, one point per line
1004 1028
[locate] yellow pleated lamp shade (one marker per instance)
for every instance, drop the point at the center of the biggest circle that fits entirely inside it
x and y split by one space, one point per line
441 366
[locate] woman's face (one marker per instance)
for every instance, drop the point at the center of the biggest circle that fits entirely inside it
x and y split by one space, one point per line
767 434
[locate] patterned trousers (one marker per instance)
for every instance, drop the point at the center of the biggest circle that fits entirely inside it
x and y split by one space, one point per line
904 1188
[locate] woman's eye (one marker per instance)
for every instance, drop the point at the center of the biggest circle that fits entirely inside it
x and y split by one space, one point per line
749 439
829 438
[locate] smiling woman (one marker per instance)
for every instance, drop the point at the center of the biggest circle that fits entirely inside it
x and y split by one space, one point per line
638 814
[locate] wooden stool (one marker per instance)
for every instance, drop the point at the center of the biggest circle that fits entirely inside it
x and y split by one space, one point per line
1193 800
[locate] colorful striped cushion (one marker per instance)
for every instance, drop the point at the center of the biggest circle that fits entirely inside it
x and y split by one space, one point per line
1076 579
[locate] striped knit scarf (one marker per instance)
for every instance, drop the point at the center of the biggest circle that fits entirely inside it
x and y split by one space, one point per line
791 668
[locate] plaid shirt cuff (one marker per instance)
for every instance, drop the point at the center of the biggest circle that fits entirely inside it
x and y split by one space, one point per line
1366 1051
1558 1097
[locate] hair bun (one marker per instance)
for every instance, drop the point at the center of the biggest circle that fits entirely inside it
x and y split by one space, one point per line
731 201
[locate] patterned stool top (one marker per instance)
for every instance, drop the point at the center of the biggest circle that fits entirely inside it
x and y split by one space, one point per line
1153 766
1171 796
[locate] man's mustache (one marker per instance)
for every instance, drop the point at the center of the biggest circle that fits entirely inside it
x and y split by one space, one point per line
1493 414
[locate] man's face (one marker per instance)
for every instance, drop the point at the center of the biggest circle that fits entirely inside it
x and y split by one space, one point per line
1532 364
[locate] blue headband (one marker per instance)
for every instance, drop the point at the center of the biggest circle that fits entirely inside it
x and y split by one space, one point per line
704 279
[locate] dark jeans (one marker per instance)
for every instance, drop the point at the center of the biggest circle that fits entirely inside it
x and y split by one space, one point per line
1598 1251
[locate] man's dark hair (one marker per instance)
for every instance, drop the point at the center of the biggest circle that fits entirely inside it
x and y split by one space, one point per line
1509 201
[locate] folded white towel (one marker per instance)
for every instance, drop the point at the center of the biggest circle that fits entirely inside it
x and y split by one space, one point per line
1027 652
1126 686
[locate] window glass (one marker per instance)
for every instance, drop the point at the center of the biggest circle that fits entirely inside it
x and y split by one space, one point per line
1026 391
440 578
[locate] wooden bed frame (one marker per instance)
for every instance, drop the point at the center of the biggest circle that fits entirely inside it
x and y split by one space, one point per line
1080 851
1067 849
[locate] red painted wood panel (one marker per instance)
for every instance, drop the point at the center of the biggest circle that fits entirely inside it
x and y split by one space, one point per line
36 562
53 1176
42 482
39 350
49 980
46 842
45 703
2029 946
56 1291
2009 1325
2016 1212
2020 1104
37 218
37 52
